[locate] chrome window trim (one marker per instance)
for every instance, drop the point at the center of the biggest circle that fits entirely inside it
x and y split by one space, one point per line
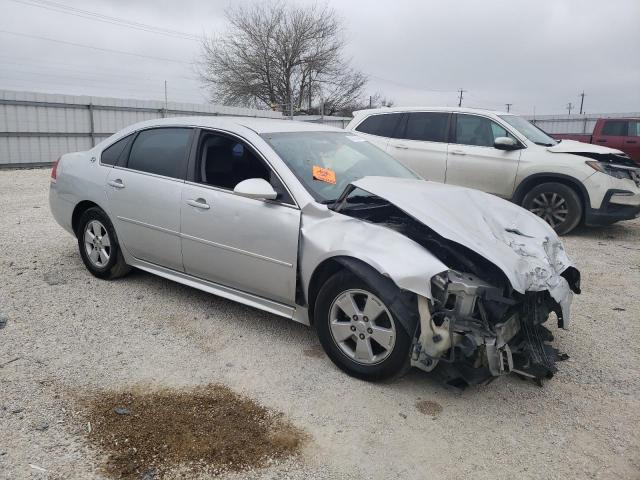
155 175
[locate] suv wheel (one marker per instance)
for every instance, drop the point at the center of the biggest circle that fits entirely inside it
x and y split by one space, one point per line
99 247
557 204
358 331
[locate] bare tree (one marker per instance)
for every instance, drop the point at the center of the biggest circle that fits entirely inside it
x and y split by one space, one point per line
281 56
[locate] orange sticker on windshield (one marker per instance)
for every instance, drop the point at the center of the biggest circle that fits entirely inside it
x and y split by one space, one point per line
324 174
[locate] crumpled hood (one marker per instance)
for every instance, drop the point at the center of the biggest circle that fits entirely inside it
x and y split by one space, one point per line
518 242
573 146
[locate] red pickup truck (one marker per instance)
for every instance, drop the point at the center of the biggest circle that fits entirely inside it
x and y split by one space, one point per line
619 133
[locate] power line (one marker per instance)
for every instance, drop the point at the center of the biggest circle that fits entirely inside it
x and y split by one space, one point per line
409 86
89 15
109 50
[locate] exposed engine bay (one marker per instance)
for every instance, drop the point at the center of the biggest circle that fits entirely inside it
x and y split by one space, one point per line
476 327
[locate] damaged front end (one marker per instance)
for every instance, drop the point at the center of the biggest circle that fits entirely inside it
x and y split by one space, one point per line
508 273
477 334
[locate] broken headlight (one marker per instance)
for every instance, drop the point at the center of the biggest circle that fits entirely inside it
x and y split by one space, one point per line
613 170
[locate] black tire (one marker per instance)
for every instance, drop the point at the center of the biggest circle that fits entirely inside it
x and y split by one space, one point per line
115 266
556 203
397 360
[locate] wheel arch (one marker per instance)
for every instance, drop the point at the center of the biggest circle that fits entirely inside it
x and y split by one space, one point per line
79 209
539 178
402 303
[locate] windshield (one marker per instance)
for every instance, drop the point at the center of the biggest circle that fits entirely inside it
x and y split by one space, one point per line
529 130
326 162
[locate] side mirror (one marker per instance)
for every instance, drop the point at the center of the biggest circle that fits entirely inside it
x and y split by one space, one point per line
257 188
505 143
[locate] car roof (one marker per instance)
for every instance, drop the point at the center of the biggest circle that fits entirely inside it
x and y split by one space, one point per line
371 111
258 125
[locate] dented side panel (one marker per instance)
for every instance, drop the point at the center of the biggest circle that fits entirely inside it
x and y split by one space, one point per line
325 234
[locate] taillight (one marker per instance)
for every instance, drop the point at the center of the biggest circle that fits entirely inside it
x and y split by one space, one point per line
54 170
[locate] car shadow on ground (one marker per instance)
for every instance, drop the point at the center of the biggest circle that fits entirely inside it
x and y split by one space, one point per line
617 231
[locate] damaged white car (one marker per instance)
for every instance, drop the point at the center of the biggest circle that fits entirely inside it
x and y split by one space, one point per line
315 224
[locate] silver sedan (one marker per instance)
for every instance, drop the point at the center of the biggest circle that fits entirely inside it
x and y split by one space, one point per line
320 226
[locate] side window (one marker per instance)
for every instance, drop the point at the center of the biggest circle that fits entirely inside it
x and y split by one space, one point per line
162 151
111 154
615 128
634 128
480 131
224 162
383 125
427 126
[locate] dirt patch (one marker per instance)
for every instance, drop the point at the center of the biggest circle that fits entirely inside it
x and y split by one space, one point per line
314 352
427 407
209 429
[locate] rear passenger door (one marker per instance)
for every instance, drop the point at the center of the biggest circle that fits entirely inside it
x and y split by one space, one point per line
379 128
422 144
144 195
474 162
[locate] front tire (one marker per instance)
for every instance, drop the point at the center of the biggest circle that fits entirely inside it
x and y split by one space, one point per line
557 204
358 331
99 246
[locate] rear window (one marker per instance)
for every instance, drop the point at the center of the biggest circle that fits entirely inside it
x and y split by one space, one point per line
615 127
111 154
427 126
162 151
383 125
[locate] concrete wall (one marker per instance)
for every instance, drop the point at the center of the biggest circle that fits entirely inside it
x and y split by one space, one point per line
36 128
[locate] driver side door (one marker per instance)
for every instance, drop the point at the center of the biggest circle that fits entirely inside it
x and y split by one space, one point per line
243 243
474 162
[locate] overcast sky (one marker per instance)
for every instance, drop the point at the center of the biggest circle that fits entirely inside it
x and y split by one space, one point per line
534 54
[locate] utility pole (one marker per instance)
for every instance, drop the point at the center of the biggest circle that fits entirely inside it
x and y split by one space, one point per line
460 100
569 107
508 106
370 101
165 95
581 101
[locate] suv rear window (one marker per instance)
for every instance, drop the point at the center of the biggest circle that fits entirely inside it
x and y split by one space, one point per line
383 125
162 151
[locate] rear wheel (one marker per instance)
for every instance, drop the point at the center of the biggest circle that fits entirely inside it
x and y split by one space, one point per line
358 331
557 204
99 247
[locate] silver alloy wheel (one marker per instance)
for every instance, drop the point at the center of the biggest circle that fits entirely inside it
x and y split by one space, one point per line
362 327
551 207
97 243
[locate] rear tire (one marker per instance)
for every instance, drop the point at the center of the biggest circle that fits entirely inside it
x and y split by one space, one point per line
99 246
374 348
557 204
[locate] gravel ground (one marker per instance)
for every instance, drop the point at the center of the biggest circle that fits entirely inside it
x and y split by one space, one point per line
69 335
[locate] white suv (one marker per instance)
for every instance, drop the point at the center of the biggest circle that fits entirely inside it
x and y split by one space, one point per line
565 182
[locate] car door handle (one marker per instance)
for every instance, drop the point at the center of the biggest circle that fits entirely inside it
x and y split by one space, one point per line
117 183
458 152
199 203
403 147
631 141
601 140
